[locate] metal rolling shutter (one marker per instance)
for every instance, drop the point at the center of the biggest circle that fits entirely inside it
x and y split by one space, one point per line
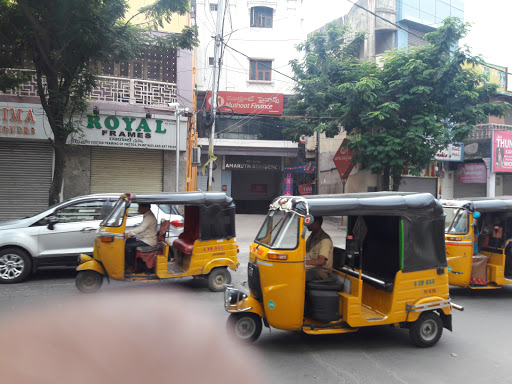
126 170
25 178
419 184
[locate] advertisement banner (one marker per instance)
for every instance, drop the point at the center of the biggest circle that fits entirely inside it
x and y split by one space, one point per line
501 151
24 121
130 132
306 189
288 185
255 163
248 102
454 152
472 173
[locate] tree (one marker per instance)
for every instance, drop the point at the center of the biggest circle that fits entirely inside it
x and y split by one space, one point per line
62 40
401 112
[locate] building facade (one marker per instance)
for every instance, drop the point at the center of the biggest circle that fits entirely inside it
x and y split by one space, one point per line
252 154
389 24
127 141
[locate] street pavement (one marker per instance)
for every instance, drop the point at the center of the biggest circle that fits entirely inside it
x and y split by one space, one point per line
478 349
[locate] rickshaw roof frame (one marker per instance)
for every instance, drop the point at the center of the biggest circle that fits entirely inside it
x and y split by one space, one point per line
363 204
481 204
181 198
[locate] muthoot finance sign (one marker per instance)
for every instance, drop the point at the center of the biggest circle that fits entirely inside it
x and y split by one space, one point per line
130 132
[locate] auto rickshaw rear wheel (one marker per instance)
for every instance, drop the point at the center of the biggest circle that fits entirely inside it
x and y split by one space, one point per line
89 281
217 278
244 326
427 330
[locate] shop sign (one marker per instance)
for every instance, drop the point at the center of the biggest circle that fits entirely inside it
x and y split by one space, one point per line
130 132
306 189
288 185
253 163
454 152
248 102
501 151
343 160
23 121
472 173
259 188
301 168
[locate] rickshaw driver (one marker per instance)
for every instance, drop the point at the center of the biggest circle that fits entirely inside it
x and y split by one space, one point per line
145 235
319 252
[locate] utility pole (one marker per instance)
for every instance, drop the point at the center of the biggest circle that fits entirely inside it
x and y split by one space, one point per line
215 87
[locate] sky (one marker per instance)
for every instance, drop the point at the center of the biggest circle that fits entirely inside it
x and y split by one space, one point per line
488 34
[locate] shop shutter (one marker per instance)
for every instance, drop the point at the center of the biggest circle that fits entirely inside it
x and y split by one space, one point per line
419 184
126 170
25 178
461 190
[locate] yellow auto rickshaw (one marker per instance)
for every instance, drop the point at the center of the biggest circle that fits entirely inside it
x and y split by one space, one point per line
476 234
206 248
391 270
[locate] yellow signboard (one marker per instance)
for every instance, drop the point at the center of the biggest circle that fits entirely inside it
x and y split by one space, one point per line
494 74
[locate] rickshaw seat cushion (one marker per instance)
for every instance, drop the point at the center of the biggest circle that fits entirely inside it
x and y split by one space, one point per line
330 284
183 246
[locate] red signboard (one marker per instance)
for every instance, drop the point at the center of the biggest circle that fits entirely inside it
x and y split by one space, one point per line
501 151
248 102
259 188
306 189
472 173
343 160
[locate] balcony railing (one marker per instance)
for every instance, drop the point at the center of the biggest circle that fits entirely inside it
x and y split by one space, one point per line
119 90
483 131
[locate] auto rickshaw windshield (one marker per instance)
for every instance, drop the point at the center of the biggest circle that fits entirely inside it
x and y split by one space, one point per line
280 230
456 220
115 219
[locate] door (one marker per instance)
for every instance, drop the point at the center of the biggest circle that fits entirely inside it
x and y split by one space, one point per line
74 232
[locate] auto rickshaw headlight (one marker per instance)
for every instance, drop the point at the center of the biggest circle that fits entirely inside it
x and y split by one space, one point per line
233 295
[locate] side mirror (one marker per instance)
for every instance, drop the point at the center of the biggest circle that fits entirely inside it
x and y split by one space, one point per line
52 220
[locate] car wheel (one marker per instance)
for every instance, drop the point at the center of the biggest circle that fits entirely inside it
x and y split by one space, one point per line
427 330
88 281
244 326
15 265
217 278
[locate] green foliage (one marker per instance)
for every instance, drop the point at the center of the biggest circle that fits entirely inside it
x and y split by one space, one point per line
413 105
63 39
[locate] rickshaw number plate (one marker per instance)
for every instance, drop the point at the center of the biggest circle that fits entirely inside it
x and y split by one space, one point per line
271 304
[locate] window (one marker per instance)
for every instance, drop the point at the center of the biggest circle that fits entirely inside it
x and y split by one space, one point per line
261 70
213 7
261 17
211 61
91 210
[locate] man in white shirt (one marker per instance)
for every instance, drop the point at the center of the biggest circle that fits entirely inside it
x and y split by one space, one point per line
145 234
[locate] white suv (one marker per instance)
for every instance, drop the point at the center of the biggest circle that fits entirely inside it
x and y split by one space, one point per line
56 236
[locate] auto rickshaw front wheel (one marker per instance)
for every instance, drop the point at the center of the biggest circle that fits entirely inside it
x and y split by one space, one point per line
427 330
245 326
89 281
217 278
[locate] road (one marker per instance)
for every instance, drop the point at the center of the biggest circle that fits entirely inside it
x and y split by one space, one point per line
477 350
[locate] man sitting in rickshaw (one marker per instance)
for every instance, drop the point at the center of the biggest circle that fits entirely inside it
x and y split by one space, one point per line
145 235
319 252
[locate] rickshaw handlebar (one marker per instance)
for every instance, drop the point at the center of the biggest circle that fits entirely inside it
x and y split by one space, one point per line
457 307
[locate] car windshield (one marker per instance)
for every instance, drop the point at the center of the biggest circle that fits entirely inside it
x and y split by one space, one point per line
456 220
115 219
280 230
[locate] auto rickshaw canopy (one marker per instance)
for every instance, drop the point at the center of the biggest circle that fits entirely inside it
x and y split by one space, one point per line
420 214
214 211
482 204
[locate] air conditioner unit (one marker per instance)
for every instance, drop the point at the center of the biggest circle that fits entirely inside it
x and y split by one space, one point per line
196 156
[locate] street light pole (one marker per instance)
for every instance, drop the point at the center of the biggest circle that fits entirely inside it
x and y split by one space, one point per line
177 113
